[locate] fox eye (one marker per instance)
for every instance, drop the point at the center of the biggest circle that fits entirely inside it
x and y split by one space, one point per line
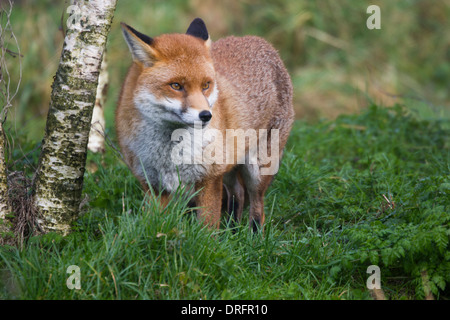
205 86
176 86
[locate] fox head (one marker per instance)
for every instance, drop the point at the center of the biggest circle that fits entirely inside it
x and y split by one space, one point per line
176 82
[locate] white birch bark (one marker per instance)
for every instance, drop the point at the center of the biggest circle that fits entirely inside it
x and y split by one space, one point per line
97 133
59 178
5 209
4 205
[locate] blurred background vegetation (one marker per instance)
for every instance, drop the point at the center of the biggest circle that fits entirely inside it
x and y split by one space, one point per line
337 65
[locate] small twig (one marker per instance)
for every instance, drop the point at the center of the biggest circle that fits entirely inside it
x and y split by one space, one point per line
384 206
391 203
24 155
14 54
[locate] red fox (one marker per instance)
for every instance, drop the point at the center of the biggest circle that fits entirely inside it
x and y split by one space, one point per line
233 87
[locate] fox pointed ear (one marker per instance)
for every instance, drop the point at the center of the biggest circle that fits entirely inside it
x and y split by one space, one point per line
139 45
197 28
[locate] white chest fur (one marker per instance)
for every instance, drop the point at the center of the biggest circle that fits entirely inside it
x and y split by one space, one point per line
154 146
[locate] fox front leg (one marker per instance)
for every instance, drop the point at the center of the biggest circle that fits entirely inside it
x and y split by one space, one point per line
209 201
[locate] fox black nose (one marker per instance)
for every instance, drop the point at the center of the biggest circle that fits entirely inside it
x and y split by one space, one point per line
205 116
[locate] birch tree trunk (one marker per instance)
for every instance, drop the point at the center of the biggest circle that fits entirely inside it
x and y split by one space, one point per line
4 205
59 178
5 209
97 134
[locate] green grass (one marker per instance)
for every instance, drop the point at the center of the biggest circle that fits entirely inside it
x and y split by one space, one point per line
327 221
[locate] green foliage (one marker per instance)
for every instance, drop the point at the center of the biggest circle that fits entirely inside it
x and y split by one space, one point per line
410 241
379 183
